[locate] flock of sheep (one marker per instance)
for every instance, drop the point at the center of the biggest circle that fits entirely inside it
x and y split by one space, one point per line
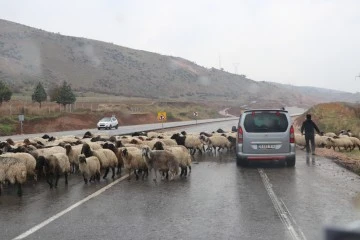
167 153
343 140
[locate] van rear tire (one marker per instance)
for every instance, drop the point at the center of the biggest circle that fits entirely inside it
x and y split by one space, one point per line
290 162
241 162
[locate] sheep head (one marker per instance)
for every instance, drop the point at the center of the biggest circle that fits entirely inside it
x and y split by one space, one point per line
68 148
10 141
27 141
40 162
124 152
45 136
82 158
146 152
112 139
134 141
88 135
158 146
86 150
119 144
175 136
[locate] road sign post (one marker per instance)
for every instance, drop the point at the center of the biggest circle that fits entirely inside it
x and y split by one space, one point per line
21 119
161 117
196 114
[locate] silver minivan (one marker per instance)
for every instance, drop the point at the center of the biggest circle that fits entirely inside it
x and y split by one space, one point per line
263 135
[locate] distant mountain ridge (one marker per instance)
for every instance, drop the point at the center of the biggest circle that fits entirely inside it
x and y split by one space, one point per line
29 55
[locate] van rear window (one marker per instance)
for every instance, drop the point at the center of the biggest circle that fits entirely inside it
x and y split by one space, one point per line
266 122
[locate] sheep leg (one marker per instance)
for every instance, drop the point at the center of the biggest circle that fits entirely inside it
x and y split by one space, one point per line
136 175
57 179
182 172
19 191
66 178
113 171
49 180
119 169
155 175
192 151
185 171
106 172
189 169
146 172
85 179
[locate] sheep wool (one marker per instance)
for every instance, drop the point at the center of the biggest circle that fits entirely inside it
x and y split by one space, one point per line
89 167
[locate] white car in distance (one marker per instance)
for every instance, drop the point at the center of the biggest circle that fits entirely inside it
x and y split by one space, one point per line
108 123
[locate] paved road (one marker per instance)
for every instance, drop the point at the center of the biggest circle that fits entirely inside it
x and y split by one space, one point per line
123 129
218 201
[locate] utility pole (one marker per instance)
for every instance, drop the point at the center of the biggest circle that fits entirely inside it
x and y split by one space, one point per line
219 62
236 67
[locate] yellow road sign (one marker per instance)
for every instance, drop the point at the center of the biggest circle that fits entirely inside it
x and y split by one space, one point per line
161 116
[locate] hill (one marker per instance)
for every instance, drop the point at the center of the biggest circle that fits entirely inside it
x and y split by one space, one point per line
29 55
334 117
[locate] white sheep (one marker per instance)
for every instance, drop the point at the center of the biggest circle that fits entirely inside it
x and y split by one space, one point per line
153 134
28 160
73 153
55 164
47 151
13 170
219 142
106 157
355 141
340 142
161 160
191 142
169 142
181 153
117 152
133 161
89 167
300 140
320 141
330 134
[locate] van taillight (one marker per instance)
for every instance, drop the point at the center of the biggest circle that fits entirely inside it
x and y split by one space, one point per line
292 135
240 135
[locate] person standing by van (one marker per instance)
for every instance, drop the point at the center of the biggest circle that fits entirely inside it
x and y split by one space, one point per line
309 127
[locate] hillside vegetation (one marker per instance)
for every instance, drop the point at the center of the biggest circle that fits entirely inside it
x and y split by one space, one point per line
29 55
334 117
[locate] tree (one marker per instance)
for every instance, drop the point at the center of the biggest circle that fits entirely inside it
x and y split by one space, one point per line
65 95
39 94
5 93
54 93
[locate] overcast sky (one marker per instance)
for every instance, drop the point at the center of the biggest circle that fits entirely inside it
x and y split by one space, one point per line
314 42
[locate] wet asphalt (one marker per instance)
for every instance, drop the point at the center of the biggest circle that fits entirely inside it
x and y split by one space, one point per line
217 201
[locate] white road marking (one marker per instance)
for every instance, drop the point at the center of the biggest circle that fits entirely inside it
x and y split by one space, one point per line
282 210
56 216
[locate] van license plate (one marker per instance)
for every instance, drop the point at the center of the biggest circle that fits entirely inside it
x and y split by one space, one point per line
266 146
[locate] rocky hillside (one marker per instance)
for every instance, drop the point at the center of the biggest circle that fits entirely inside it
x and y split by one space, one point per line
29 55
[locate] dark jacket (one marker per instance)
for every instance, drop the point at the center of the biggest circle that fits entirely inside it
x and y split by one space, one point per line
309 126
